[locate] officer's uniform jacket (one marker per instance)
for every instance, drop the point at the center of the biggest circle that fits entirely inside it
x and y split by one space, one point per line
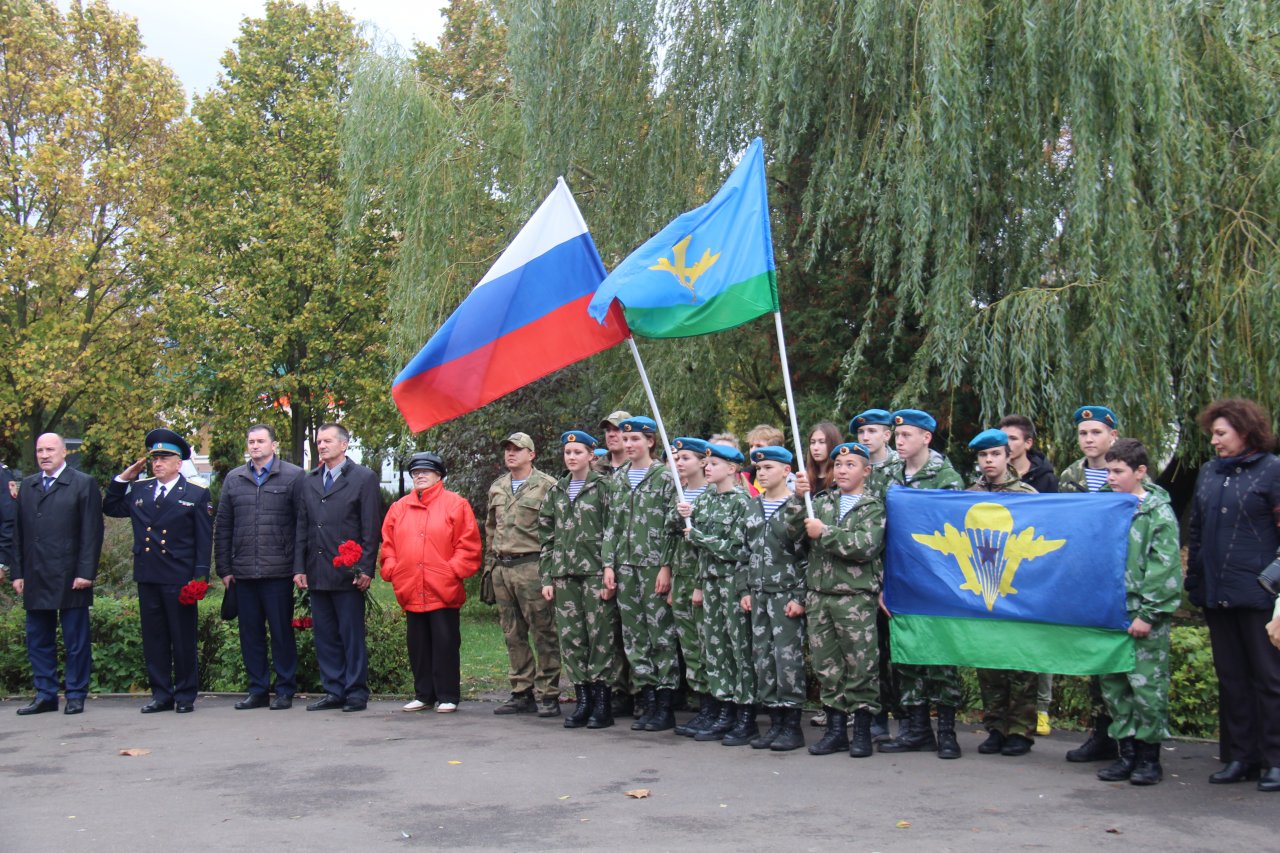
172 540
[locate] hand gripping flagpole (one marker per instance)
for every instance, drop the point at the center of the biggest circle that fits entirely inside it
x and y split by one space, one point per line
791 406
657 416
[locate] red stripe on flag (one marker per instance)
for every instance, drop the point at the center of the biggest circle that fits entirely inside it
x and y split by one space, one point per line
555 340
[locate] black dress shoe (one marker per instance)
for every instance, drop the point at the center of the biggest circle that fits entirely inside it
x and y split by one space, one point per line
354 705
157 705
1235 771
74 706
39 706
1270 780
185 707
328 703
254 700
281 703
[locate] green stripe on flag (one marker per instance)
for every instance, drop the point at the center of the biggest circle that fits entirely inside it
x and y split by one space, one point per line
733 306
1001 644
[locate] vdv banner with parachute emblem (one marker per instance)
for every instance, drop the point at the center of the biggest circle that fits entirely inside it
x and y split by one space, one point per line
1009 581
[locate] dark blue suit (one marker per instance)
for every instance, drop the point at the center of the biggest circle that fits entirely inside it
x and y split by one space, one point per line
172 545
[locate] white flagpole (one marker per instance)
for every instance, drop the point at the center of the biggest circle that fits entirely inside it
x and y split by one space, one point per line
657 416
791 405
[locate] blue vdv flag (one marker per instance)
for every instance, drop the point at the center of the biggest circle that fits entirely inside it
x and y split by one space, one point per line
1009 581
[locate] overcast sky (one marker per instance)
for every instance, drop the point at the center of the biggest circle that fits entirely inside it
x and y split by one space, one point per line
192 35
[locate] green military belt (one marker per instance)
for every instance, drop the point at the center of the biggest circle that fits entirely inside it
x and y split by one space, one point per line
517 559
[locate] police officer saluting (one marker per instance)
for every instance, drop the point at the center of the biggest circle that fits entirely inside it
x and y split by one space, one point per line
172 544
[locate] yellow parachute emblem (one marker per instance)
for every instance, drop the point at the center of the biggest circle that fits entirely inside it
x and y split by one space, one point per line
686 275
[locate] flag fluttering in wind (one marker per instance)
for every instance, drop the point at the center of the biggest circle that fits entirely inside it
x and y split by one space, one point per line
526 318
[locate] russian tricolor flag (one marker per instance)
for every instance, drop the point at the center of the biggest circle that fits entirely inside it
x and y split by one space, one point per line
526 318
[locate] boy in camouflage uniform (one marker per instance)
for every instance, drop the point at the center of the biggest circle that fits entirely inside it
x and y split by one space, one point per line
919 468
719 537
773 593
1008 696
686 585
1096 431
843 578
572 525
1138 701
637 563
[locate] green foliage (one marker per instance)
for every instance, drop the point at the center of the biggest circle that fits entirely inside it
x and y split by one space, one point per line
1193 689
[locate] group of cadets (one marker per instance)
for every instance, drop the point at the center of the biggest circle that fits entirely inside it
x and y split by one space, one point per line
712 576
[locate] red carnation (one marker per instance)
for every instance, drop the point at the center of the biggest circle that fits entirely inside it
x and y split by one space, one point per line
191 593
349 554
302 623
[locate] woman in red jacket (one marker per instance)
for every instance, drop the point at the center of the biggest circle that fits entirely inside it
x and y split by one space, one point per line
430 543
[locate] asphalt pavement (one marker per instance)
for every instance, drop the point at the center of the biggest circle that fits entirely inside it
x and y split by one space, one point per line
384 779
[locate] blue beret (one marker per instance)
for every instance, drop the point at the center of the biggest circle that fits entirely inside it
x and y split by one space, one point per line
851 447
167 441
577 435
694 445
1096 413
601 451
639 423
773 454
871 417
988 439
724 451
915 418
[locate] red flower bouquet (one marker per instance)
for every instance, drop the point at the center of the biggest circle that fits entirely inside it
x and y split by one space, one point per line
302 624
194 591
349 554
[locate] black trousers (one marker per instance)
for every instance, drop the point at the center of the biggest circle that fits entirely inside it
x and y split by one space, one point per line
267 603
168 642
434 639
338 625
1248 668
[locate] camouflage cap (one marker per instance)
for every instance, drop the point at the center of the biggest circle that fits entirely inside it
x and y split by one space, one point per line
615 419
519 439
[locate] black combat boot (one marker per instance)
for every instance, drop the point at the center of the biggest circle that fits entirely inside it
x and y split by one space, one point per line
645 707
1122 768
792 734
860 742
993 744
601 706
716 729
948 746
775 728
581 707
1146 768
1099 747
624 704
700 720
915 734
880 727
835 738
661 718
744 727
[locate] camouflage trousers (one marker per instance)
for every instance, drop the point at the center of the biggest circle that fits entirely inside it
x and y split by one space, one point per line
648 628
845 650
522 610
1138 701
1009 701
777 646
688 630
920 684
588 628
726 643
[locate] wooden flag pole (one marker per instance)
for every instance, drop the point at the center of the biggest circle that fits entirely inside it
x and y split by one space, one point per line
657 416
791 406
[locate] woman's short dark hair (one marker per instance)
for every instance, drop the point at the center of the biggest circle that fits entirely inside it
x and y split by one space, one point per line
1246 417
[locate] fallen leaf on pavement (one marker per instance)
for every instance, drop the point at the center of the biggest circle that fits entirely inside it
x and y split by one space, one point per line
455 762
1113 831
135 751
904 824
638 793
565 797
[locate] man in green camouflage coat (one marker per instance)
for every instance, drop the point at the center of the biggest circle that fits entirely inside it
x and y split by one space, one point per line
637 563
719 535
513 545
1138 701
572 523
918 468
773 593
1008 696
843 578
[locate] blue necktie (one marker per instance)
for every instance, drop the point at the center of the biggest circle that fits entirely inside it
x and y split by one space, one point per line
328 481
48 482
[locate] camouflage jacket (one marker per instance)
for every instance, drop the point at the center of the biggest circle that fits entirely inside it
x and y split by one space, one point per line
1011 483
1072 479
573 530
778 559
1153 567
846 559
684 557
511 523
719 534
936 473
636 533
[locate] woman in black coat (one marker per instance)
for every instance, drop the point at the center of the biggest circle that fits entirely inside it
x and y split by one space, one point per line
1233 537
